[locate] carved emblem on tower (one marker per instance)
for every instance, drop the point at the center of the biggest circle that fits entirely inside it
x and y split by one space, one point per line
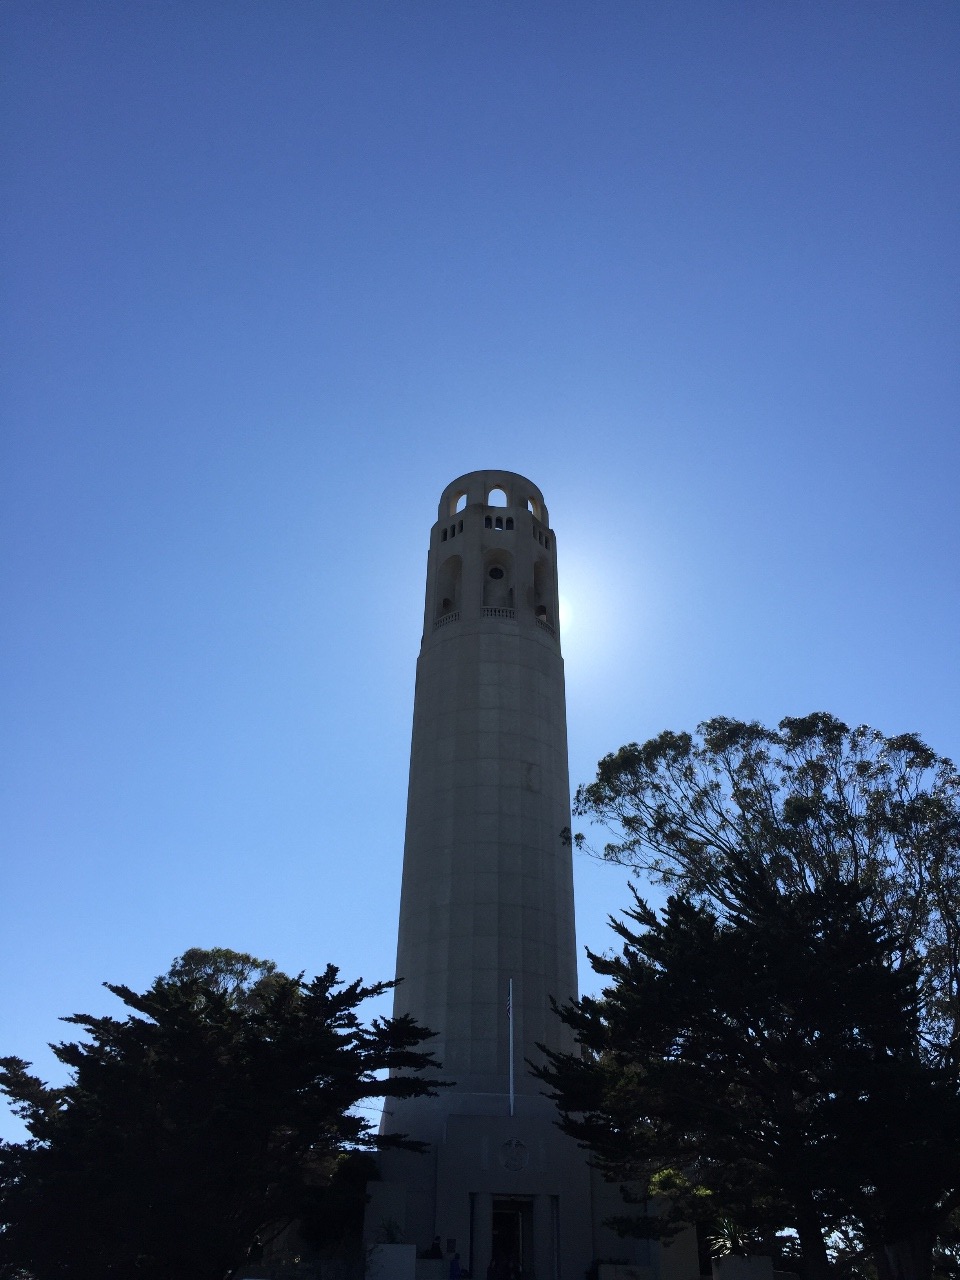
514 1155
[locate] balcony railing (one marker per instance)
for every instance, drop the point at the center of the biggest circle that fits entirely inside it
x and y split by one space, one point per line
490 611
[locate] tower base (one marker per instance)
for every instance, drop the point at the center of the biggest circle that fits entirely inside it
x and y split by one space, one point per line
493 1187
514 1197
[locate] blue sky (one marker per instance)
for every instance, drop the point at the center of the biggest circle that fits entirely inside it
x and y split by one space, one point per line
275 273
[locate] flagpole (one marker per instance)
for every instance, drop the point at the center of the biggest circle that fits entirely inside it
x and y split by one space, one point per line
510 1015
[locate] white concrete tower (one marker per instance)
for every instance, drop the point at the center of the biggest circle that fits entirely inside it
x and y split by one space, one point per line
487 897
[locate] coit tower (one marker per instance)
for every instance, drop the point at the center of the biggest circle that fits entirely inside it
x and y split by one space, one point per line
486 935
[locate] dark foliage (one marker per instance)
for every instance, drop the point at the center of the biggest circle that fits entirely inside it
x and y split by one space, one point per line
780 1048
196 1124
331 1217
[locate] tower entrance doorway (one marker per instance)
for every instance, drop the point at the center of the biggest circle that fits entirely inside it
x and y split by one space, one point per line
512 1238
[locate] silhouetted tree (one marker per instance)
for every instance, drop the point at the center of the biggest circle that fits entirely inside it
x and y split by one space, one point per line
332 1214
195 1124
744 1068
792 1024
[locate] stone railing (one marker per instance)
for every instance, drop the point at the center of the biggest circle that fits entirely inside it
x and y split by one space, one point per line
445 618
490 612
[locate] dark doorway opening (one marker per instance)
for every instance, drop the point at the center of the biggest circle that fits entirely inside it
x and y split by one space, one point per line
512 1237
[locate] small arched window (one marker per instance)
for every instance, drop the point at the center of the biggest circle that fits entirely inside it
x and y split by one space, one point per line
498 580
459 526
509 522
488 522
542 591
443 536
448 586
498 523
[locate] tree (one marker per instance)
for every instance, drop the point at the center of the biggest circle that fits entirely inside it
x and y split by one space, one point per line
728 1066
196 1123
808 850
236 975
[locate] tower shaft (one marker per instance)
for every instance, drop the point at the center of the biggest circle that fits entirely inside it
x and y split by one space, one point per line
487 892
487 896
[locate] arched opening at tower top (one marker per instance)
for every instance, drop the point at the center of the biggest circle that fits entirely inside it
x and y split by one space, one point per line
534 506
496 498
459 503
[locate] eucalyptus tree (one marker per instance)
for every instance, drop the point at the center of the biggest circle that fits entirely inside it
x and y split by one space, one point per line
815 873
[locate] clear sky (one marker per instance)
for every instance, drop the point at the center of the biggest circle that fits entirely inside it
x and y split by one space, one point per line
275 273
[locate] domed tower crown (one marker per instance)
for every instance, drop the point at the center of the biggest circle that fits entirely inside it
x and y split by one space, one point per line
492 489
492 556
